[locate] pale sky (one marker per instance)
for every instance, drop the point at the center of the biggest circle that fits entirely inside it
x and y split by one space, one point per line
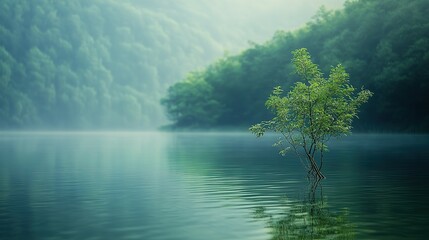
241 21
264 17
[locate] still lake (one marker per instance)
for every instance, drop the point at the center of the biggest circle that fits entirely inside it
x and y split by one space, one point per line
202 185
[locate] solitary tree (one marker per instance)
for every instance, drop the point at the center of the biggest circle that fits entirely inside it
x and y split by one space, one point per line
312 112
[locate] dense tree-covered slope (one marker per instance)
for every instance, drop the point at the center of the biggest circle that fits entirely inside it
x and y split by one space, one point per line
91 64
383 44
80 64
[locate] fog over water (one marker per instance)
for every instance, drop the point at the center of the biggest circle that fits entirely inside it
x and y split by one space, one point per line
128 119
199 185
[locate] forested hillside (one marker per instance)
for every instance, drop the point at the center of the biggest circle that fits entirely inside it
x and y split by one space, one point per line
105 64
90 64
384 45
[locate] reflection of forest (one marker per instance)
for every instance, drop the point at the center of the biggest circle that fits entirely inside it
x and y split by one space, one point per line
309 218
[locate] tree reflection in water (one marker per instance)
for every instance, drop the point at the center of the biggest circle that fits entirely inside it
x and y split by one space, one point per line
307 219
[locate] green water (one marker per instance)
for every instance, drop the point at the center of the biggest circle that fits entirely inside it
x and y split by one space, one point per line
208 186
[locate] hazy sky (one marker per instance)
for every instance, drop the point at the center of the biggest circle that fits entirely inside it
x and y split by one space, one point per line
240 21
257 20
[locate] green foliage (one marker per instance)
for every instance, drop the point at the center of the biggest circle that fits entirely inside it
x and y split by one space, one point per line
382 44
94 64
314 110
195 92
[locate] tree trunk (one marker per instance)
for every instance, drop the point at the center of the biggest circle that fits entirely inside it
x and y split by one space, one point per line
315 170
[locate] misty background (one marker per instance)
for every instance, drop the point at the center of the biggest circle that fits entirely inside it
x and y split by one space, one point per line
383 46
107 64
96 72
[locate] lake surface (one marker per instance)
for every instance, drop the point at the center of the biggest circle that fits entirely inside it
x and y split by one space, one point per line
203 185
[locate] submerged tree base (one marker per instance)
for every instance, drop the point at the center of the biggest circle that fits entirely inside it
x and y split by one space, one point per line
316 174
312 112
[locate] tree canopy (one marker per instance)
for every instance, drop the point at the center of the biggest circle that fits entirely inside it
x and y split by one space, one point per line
81 64
382 44
193 92
313 111
91 64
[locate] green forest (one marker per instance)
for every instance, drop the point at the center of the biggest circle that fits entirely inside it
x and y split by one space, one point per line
383 45
94 64
105 64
